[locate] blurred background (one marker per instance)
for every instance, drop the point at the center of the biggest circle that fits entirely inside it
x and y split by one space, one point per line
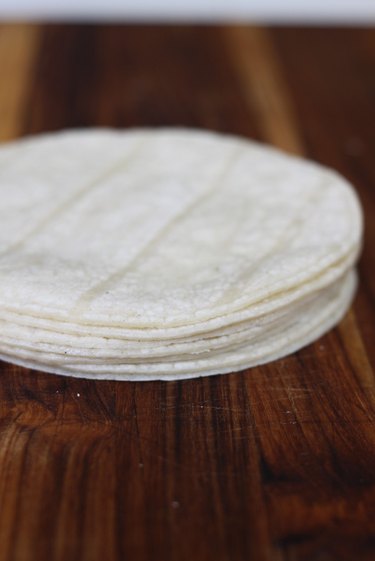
351 11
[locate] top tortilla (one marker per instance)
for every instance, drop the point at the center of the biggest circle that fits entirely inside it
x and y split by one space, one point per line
163 228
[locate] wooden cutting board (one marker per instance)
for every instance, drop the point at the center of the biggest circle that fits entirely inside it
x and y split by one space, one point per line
274 463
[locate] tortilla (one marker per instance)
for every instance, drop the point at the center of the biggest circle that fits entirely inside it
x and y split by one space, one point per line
279 343
167 252
101 349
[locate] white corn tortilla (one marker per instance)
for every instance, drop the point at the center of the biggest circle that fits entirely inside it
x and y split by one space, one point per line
169 253
176 226
297 334
102 350
187 332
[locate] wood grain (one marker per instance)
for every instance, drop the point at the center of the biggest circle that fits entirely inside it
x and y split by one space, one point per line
275 463
263 87
18 49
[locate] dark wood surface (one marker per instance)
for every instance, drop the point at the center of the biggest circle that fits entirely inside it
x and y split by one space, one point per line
275 463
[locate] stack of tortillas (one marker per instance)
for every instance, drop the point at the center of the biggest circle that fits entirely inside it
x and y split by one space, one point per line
167 254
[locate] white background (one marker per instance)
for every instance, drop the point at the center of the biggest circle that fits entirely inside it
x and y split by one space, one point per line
299 11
